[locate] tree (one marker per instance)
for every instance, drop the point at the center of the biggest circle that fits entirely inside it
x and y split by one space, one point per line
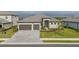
60 21
58 18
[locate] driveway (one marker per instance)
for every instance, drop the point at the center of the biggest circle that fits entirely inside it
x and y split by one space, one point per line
25 37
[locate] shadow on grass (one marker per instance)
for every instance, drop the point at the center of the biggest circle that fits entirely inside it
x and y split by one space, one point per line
72 28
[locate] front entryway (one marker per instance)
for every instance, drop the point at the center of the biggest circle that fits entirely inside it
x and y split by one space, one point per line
46 22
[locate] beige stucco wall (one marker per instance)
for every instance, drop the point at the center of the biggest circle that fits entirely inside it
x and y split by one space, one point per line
53 25
15 19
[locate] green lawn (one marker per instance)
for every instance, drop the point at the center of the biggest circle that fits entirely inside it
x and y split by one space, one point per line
65 33
8 33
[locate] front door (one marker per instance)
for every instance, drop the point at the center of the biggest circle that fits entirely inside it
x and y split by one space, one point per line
46 23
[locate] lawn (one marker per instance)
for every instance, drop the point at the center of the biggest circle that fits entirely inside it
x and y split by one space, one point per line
8 33
65 33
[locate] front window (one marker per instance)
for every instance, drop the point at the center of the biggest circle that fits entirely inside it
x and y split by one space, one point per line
51 22
6 17
54 22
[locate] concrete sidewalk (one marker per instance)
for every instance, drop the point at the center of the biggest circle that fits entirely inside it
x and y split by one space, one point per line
59 38
5 38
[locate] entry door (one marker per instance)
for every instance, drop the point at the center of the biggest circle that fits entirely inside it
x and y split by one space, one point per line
46 23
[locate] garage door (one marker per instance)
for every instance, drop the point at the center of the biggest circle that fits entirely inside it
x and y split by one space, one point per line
25 27
36 27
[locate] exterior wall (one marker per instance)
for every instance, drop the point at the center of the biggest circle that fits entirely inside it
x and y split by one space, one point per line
7 17
14 20
72 24
29 24
53 25
10 18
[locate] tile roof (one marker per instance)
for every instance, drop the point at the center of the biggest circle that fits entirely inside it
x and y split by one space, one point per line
72 19
36 18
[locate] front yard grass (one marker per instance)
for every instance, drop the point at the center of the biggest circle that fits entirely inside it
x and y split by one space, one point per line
65 33
8 33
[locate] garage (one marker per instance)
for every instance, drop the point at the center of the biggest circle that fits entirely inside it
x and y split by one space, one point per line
36 26
29 27
25 27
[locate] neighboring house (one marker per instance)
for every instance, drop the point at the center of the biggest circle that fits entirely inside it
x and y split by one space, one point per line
37 22
72 22
9 16
5 24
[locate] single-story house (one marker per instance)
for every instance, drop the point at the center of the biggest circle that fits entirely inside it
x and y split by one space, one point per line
72 22
5 24
37 22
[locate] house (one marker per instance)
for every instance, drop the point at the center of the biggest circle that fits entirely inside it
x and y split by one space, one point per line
5 24
37 22
9 16
72 22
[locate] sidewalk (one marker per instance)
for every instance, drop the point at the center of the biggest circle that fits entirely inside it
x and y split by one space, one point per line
4 38
59 38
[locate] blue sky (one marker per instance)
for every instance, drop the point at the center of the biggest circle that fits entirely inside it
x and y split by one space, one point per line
49 13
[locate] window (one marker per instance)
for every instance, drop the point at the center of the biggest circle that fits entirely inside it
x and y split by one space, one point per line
51 22
58 23
6 17
54 22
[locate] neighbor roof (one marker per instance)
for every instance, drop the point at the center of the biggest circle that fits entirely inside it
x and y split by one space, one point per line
71 19
36 18
7 13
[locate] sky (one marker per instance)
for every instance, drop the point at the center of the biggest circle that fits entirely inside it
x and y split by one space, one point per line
49 13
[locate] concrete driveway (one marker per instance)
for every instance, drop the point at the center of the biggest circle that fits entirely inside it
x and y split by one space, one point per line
25 37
